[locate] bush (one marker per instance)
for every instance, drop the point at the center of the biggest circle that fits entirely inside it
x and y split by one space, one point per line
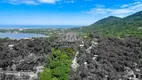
58 66
46 75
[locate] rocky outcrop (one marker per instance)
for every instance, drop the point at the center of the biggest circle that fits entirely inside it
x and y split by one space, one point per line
110 59
96 59
23 59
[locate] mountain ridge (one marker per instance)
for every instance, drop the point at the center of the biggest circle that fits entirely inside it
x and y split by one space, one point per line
116 26
137 15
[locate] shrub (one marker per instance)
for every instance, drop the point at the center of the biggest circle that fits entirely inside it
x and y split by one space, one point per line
46 75
59 65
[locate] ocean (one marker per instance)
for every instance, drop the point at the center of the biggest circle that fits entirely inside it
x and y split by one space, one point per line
36 26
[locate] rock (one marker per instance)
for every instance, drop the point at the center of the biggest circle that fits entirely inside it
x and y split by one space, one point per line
21 56
74 63
109 56
81 45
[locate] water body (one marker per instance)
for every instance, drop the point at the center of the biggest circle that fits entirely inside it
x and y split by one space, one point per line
20 35
37 26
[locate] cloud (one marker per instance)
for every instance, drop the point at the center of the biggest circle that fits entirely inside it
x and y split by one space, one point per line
47 1
122 11
69 1
99 5
31 2
131 4
125 5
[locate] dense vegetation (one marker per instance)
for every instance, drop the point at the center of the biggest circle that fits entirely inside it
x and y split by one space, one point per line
58 65
115 26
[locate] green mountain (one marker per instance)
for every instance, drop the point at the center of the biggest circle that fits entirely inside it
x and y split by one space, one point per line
135 17
117 27
111 20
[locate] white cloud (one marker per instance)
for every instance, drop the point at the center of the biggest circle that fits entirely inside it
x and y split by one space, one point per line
47 1
125 5
99 5
69 1
131 4
28 2
122 11
33 2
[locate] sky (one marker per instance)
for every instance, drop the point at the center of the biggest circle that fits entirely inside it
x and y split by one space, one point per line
64 12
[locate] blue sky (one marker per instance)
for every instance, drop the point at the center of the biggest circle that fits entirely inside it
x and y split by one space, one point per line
64 12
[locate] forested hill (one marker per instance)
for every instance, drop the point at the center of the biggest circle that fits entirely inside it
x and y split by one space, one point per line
135 17
111 20
115 26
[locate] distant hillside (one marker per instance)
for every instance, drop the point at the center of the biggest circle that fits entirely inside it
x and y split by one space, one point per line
111 20
134 17
117 27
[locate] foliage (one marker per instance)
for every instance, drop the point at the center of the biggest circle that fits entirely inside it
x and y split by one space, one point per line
58 65
46 75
